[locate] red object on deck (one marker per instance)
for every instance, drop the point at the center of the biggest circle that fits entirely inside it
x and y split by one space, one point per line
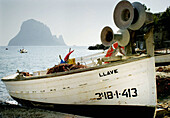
112 49
67 56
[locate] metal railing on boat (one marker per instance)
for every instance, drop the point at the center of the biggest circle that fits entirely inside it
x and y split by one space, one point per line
91 60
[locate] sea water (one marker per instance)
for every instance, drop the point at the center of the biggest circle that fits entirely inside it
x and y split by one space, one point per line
38 58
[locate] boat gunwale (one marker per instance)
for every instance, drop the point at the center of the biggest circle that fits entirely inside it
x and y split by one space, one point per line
77 70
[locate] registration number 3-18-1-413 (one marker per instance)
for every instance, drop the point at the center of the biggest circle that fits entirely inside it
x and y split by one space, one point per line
130 92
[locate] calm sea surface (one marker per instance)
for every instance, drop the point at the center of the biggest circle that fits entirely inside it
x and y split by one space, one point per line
37 58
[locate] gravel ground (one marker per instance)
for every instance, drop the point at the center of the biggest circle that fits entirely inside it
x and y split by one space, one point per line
12 111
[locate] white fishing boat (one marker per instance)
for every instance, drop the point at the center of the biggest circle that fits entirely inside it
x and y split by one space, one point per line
124 86
129 85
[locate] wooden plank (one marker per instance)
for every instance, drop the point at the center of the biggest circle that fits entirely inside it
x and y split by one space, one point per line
112 59
150 42
162 58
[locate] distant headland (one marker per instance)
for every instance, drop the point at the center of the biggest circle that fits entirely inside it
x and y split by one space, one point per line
35 33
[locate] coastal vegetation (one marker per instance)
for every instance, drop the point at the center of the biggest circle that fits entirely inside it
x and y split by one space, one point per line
162 29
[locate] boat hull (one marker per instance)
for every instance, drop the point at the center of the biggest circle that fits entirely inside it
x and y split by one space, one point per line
120 86
98 111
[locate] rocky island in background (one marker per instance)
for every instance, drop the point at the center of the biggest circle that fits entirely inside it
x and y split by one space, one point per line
35 33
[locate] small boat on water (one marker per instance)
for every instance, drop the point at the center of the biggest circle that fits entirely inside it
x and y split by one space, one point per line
105 86
23 50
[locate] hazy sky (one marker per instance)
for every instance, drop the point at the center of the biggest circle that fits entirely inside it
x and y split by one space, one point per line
79 21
